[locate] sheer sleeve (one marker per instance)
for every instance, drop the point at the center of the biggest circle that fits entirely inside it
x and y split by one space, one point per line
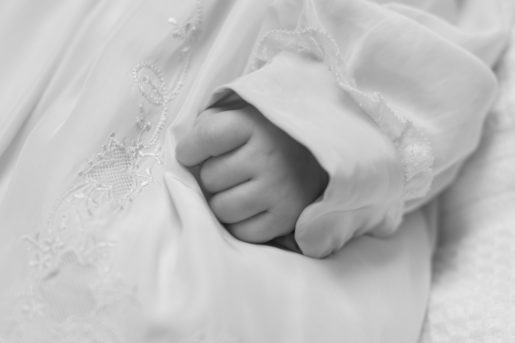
390 97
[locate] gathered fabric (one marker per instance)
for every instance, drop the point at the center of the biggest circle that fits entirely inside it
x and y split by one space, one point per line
105 237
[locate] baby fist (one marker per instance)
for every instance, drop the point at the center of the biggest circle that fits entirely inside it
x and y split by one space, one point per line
259 178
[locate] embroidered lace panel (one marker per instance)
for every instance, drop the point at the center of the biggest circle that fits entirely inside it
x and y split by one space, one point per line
414 148
73 293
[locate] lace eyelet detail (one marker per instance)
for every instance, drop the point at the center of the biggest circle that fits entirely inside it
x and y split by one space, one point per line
73 292
414 149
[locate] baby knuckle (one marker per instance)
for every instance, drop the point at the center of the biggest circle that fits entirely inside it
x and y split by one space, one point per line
220 208
207 134
207 178
237 128
181 152
255 233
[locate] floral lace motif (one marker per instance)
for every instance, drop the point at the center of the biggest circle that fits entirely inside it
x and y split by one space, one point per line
414 148
73 292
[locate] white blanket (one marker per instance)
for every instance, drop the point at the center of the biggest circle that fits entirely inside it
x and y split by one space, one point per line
473 289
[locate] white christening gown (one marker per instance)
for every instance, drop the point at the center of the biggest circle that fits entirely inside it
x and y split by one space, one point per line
104 237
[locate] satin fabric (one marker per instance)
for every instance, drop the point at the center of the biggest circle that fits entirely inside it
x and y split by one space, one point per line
160 268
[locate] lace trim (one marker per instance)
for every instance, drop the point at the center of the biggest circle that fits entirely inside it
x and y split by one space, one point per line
73 292
414 148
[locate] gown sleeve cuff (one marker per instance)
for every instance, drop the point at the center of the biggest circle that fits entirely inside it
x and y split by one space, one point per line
366 179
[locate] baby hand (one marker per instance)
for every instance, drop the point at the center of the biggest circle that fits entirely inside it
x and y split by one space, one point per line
259 178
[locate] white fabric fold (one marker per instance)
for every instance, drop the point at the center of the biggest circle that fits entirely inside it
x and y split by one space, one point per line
427 86
125 248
